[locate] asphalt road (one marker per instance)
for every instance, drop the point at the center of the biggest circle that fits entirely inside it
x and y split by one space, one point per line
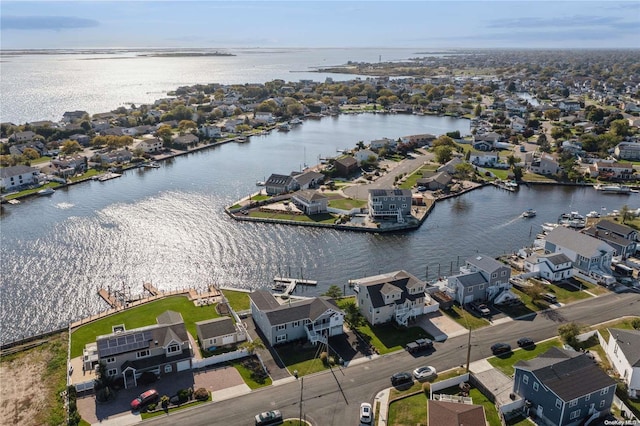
333 398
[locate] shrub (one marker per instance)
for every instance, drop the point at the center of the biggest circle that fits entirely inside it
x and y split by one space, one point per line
201 394
426 388
184 395
152 406
324 357
635 323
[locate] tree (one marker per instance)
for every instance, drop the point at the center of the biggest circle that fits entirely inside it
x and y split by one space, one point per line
103 384
252 346
465 171
517 173
625 213
477 110
360 145
69 147
165 133
352 315
552 114
512 160
30 154
443 140
620 128
443 154
569 333
185 125
333 291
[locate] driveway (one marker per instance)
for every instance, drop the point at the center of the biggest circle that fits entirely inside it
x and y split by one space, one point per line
440 326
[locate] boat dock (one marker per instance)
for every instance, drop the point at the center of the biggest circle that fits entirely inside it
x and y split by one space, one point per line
110 299
288 285
504 185
151 289
108 176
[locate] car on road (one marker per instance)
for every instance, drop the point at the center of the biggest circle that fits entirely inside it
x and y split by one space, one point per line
419 345
425 373
401 378
273 417
525 342
366 415
500 348
144 398
422 188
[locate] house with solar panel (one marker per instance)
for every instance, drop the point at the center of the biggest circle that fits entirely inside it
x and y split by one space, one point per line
563 388
162 348
314 319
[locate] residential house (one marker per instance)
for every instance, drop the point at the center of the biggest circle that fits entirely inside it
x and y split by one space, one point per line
389 204
615 170
151 145
71 116
162 348
622 238
25 136
450 166
66 167
314 319
569 106
587 254
389 144
112 131
120 156
345 166
485 141
100 125
446 413
544 165
397 296
307 180
264 118
364 155
210 131
623 350
481 278
420 140
437 181
552 267
563 387
38 146
186 140
310 201
483 158
82 139
627 151
279 184
518 124
219 332
15 177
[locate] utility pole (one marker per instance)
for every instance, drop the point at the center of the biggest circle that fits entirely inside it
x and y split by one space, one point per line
469 349
301 387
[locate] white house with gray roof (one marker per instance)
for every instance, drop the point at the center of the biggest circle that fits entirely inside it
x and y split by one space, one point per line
481 278
310 202
552 267
15 177
623 350
218 332
314 319
396 296
587 254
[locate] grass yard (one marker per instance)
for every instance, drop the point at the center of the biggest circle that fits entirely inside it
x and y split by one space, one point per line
532 177
239 300
304 358
86 175
347 203
499 173
260 197
490 410
248 368
141 316
566 293
387 338
318 218
411 179
505 362
409 411
625 324
465 319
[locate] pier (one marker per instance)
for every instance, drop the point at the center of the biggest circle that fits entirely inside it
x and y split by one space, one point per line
288 285
110 299
151 289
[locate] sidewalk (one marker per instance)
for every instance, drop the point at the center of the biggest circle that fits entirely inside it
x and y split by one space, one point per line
382 399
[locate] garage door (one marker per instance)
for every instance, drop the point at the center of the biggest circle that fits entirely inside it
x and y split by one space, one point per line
184 365
227 340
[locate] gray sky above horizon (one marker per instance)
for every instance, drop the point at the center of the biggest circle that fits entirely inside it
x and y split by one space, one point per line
229 24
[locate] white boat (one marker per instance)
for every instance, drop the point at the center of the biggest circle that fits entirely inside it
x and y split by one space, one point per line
260 183
548 226
511 184
46 191
295 121
593 214
152 165
241 139
613 189
572 220
284 127
529 213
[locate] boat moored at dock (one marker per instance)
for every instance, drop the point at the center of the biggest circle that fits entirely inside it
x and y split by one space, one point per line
613 189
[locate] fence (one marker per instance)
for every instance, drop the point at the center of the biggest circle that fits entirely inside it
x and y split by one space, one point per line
219 359
448 383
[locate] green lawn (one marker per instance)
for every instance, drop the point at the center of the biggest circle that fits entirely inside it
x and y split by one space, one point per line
318 218
532 177
248 374
387 338
303 358
239 300
624 324
347 203
409 411
499 173
86 175
141 316
260 197
490 410
40 160
566 293
465 319
505 362
411 179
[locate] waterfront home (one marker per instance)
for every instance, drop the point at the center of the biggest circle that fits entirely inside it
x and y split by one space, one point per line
450 166
345 166
389 144
587 254
623 350
210 131
483 158
420 140
219 332
15 177
100 125
544 165
552 267
25 136
563 387
437 181
186 141
396 296
279 184
481 278
365 155
612 170
151 145
627 151
71 116
69 166
307 180
310 202
389 204
314 319
449 413
162 348
622 238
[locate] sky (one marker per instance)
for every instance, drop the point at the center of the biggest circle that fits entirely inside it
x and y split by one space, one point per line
236 24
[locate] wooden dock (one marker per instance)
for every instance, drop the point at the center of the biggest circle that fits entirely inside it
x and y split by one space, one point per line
151 289
288 285
299 281
110 299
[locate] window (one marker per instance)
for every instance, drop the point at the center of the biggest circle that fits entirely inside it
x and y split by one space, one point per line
404 206
295 324
535 386
602 403
494 275
469 289
168 368
503 273
112 372
525 379
574 414
481 287
111 360
392 206
281 338
143 353
573 403
558 403
615 349
588 397
604 391
281 327
173 348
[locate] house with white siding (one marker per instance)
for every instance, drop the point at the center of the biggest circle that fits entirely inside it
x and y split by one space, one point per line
623 350
15 177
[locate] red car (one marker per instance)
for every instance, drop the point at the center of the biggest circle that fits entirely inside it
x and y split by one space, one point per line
145 398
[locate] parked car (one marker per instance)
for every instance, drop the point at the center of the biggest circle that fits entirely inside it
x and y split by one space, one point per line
483 309
419 345
273 417
366 415
401 378
425 373
145 398
500 348
422 188
525 342
550 297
